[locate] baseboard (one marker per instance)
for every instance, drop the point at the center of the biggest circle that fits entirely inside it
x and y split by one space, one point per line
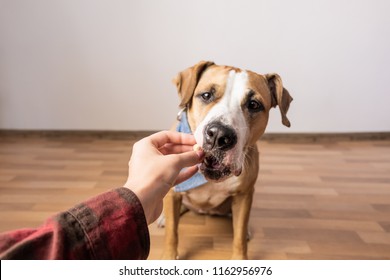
122 135
99 134
325 137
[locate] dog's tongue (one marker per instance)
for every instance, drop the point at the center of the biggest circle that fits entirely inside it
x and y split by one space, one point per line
212 162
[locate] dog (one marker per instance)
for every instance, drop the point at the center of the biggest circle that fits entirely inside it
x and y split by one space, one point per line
227 110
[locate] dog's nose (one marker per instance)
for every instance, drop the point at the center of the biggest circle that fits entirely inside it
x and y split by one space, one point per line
219 136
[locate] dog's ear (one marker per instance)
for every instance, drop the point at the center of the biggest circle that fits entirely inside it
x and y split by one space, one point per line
187 80
280 96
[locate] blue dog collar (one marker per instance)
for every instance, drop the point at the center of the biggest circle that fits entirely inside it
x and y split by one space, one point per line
198 179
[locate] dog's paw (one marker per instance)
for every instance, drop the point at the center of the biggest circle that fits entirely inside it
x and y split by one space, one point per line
161 221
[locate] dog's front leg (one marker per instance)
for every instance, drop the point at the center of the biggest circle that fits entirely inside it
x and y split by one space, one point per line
241 208
172 204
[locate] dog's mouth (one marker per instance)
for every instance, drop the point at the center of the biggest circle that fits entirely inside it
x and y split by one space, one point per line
213 168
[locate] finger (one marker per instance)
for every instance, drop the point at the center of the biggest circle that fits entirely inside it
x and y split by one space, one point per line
186 174
170 148
159 139
188 158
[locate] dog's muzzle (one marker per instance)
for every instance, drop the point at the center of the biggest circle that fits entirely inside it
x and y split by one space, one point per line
218 140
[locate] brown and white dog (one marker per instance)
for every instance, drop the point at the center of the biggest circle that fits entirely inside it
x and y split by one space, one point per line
227 110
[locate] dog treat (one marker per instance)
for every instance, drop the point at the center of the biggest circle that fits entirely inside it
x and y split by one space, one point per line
196 148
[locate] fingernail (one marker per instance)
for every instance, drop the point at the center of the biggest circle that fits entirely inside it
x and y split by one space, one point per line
199 151
200 154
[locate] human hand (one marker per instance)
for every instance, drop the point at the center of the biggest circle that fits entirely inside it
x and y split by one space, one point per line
156 165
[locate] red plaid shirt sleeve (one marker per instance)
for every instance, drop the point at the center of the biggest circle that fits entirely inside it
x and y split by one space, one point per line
109 226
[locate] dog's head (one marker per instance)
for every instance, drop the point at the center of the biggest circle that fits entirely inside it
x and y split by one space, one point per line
228 111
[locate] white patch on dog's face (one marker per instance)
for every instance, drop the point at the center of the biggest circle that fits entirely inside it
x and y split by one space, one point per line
228 111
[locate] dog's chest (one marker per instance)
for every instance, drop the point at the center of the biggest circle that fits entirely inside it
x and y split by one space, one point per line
212 198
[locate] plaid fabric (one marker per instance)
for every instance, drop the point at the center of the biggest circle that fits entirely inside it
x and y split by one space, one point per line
109 226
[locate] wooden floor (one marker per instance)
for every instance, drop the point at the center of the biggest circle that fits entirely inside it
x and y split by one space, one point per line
324 200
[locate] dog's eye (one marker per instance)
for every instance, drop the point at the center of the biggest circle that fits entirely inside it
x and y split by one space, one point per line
255 106
207 96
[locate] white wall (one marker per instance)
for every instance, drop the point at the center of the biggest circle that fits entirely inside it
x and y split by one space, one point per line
95 64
